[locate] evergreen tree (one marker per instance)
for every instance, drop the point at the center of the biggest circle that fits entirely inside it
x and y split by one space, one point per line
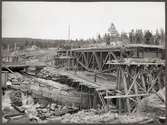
162 36
124 37
139 36
157 37
132 36
107 39
99 38
148 37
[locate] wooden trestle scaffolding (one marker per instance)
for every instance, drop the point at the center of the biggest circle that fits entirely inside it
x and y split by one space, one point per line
135 82
139 71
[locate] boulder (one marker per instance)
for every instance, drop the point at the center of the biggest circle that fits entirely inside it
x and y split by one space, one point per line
153 104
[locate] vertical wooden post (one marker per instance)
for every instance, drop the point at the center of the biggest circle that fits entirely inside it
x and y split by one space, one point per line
121 54
164 78
76 63
89 98
135 87
95 77
107 100
81 97
8 54
85 58
109 59
118 87
143 53
93 62
137 52
143 81
159 80
95 100
88 58
126 91
101 61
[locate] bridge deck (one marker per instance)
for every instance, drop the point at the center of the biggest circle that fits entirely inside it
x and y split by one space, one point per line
138 61
118 47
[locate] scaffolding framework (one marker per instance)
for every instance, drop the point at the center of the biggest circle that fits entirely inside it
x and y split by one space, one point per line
134 80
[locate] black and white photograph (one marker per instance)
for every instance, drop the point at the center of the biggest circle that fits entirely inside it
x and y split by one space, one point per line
83 62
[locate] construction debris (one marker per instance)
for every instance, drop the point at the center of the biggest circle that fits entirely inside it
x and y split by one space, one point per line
87 116
16 98
50 89
153 105
32 110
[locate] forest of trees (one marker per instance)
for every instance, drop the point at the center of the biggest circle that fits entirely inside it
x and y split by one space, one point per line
137 36
134 36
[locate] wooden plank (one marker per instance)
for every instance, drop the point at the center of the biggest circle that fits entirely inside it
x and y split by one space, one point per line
125 96
100 89
107 70
134 63
9 69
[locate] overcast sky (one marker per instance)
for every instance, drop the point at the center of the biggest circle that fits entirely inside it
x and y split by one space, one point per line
50 20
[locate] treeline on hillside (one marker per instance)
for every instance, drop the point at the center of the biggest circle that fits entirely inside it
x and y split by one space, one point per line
23 43
135 36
